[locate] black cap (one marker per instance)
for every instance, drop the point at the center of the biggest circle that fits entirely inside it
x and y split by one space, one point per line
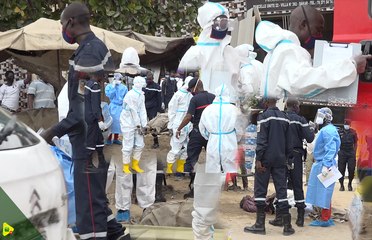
192 83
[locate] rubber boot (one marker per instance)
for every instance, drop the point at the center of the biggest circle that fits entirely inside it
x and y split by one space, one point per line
259 226
159 197
287 230
169 168
180 165
278 221
300 217
126 169
136 167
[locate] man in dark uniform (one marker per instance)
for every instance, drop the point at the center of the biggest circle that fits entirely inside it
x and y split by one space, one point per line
152 101
168 88
347 154
94 218
299 130
198 103
273 150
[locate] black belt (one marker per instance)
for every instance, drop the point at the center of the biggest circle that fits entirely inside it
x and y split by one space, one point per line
8 109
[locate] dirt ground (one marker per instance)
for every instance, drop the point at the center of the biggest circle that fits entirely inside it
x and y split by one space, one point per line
231 217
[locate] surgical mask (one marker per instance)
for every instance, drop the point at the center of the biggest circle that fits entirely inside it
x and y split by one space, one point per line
310 41
347 127
172 78
220 27
67 36
167 76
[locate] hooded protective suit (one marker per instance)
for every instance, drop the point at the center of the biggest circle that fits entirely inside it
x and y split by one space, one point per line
132 118
116 91
133 115
177 109
251 71
288 66
325 151
217 124
214 57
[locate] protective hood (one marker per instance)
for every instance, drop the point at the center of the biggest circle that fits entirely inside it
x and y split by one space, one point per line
222 94
139 83
129 57
269 35
208 12
245 51
186 83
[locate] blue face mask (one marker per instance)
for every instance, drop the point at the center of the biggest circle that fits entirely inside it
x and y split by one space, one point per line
67 36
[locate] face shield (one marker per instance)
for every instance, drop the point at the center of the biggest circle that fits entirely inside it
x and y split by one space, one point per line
220 27
323 115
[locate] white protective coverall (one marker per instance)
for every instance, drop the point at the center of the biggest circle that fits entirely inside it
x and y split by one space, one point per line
251 71
288 66
217 124
177 110
216 59
133 115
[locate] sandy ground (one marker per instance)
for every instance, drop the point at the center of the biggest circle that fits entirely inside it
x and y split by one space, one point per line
232 218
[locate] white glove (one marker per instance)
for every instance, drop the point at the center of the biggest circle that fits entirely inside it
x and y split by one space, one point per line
116 82
163 106
101 125
325 171
312 125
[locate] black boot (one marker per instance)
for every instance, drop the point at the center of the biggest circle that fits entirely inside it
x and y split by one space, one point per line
300 217
277 222
259 226
288 230
342 188
191 186
159 197
349 187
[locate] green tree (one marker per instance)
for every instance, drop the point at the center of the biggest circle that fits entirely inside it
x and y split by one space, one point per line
145 16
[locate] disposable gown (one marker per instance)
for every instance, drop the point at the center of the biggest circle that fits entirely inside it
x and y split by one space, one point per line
133 115
116 94
326 148
288 66
214 57
218 125
177 110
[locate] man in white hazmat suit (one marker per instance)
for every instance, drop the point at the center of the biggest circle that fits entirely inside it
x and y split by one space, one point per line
251 71
213 55
177 109
288 65
133 121
217 125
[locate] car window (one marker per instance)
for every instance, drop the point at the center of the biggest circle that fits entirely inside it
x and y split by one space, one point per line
19 137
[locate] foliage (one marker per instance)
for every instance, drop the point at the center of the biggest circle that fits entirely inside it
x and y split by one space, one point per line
171 17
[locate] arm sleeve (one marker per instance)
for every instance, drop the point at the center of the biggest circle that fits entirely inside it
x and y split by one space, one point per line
2 92
297 76
192 107
159 99
130 101
143 113
32 88
110 91
190 60
330 149
262 135
172 111
307 133
202 129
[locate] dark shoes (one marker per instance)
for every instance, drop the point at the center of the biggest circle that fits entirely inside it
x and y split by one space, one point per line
259 226
342 188
350 187
288 230
278 221
300 217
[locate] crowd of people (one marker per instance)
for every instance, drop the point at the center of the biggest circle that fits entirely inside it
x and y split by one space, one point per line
205 112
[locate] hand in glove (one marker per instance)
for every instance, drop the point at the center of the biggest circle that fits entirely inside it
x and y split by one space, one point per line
101 126
163 106
325 171
312 126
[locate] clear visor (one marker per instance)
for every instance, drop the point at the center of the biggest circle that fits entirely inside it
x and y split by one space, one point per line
319 117
221 23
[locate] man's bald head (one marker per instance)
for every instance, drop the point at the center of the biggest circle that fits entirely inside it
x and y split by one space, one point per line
306 21
293 104
75 9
